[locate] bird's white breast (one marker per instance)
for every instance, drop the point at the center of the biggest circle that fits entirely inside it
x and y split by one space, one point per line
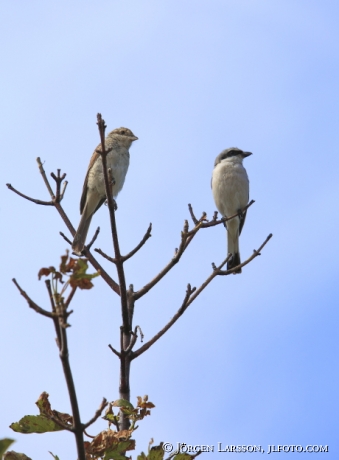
230 186
118 161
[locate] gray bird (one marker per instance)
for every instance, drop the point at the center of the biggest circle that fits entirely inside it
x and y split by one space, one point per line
230 187
93 193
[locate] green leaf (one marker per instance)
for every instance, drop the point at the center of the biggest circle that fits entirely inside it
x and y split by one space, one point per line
156 453
118 451
4 445
142 456
11 455
122 403
35 424
185 456
112 418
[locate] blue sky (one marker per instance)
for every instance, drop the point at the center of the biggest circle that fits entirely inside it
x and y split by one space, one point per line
255 359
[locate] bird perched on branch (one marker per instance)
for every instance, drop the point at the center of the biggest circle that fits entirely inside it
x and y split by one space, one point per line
230 187
94 193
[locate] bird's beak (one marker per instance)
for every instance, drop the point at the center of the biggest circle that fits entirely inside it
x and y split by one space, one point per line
135 138
246 154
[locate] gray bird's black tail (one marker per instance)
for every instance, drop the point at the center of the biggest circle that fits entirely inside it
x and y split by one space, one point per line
233 262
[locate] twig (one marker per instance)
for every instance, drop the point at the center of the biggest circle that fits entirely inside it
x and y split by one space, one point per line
115 351
111 283
131 344
195 220
96 415
63 190
190 297
255 254
65 238
103 254
44 203
215 221
208 280
58 179
175 259
141 333
70 297
50 294
55 317
131 253
95 236
181 310
186 238
89 435
43 174
217 270
31 303
142 242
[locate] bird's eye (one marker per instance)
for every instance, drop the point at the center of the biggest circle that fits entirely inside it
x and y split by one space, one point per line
122 131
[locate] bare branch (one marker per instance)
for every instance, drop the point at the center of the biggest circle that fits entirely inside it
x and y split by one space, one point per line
115 351
65 238
134 339
186 238
95 236
214 220
195 220
110 202
141 333
122 339
181 310
190 297
255 254
64 357
70 297
50 294
63 190
58 179
31 303
55 317
111 283
44 203
208 280
132 343
43 174
103 254
130 254
96 415
175 259
217 270
142 242
64 217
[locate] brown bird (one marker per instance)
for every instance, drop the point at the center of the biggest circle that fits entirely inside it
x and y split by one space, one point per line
93 193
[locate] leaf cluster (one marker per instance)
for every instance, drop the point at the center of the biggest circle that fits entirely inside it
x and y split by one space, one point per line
75 269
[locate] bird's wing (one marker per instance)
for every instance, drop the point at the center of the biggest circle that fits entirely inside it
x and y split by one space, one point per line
242 220
84 188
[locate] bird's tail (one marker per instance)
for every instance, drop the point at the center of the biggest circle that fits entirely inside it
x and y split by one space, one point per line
81 234
233 245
